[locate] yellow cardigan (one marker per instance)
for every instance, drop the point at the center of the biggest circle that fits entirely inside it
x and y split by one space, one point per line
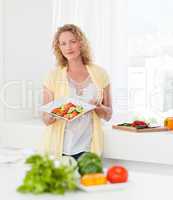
57 82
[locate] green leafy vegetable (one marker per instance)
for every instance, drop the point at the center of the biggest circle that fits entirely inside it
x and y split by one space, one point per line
90 163
45 177
124 124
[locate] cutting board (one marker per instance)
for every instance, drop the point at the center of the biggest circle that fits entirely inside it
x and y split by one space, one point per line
133 129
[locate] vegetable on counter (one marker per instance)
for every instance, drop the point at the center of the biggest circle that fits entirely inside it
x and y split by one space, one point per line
137 124
117 174
45 177
93 179
53 176
90 163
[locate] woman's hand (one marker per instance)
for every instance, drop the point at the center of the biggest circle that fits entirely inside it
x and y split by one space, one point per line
48 119
104 110
47 97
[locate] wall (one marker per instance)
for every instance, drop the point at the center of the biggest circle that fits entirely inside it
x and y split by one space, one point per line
1 54
27 29
119 70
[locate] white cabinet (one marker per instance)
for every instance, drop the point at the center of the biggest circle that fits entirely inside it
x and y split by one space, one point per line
156 147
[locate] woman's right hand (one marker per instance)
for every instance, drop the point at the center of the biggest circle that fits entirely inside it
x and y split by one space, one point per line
48 96
48 119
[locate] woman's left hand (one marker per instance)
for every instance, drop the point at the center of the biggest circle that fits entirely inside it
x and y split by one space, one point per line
102 111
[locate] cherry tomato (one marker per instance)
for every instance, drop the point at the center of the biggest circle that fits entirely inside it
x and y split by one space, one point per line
117 174
68 106
71 104
74 114
56 111
67 116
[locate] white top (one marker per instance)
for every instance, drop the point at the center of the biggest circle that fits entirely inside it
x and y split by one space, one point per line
77 135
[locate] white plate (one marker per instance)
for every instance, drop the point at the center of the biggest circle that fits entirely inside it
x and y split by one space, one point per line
105 187
54 104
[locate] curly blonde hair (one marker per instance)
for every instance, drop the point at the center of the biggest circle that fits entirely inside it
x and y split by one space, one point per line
85 47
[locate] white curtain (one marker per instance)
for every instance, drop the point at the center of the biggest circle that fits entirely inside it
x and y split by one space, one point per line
104 23
1 54
94 18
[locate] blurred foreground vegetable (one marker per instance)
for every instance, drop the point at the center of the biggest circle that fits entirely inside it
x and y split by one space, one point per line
93 179
90 163
45 177
117 174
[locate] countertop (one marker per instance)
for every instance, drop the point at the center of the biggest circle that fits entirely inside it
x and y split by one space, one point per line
144 186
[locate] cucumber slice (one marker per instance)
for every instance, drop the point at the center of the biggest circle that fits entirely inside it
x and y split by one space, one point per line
71 110
79 109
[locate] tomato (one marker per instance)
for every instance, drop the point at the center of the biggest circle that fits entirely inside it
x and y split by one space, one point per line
71 104
68 106
57 111
63 112
117 174
138 123
67 116
74 114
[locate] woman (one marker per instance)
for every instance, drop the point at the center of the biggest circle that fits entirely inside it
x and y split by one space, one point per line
76 76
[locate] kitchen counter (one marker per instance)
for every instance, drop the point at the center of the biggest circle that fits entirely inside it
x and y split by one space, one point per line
144 186
145 183
151 147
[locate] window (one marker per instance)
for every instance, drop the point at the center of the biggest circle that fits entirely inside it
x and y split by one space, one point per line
150 51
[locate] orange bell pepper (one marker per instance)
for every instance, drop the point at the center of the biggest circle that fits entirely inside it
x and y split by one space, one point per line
93 179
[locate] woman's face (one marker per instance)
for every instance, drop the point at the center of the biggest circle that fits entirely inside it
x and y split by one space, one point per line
69 45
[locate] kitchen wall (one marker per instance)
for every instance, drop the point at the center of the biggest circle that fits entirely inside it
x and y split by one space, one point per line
26 33
26 30
1 54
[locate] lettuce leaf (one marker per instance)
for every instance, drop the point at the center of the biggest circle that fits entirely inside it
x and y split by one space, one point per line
45 177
